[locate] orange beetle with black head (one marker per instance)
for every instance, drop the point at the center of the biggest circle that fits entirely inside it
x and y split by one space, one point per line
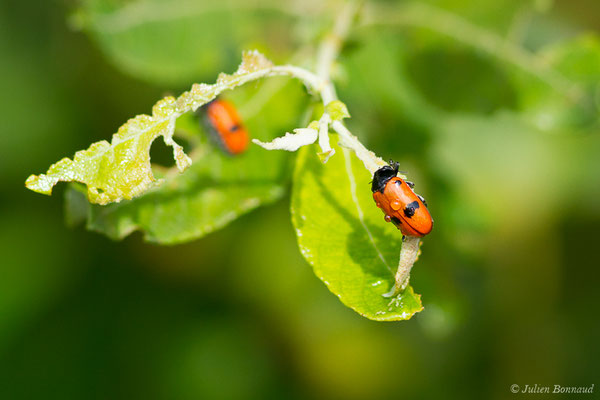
400 204
225 126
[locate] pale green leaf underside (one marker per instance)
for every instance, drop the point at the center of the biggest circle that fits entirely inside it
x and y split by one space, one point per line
343 236
121 170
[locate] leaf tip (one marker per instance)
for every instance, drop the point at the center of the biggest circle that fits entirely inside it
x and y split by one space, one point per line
40 184
337 110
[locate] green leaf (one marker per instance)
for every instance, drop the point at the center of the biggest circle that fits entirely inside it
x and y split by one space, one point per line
191 206
121 170
342 234
217 188
337 110
182 41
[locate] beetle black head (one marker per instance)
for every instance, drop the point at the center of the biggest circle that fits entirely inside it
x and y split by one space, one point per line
382 176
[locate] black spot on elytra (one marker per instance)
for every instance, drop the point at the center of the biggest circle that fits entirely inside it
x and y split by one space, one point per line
234 128
410 209
396 221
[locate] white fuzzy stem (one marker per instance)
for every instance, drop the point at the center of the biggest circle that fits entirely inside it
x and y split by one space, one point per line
408 256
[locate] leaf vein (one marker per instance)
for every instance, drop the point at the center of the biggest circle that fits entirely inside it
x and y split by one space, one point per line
361 215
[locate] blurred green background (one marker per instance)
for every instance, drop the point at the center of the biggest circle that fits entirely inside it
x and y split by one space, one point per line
509 276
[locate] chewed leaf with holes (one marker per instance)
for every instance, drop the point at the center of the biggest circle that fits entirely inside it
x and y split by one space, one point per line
343 236
121 170
217 188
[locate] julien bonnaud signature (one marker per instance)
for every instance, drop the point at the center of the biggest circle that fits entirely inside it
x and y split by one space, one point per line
551 389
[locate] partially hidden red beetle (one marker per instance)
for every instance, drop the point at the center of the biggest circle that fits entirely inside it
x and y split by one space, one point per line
400 204
225 126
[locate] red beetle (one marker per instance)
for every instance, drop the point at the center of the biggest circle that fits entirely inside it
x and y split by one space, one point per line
225 125
401 206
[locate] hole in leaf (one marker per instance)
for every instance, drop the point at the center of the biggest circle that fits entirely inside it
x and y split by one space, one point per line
161 155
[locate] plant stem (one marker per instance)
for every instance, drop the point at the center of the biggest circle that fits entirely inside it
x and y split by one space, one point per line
327 54
327 92
408 256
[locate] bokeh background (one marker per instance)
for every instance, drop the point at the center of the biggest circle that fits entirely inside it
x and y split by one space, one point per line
509 277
